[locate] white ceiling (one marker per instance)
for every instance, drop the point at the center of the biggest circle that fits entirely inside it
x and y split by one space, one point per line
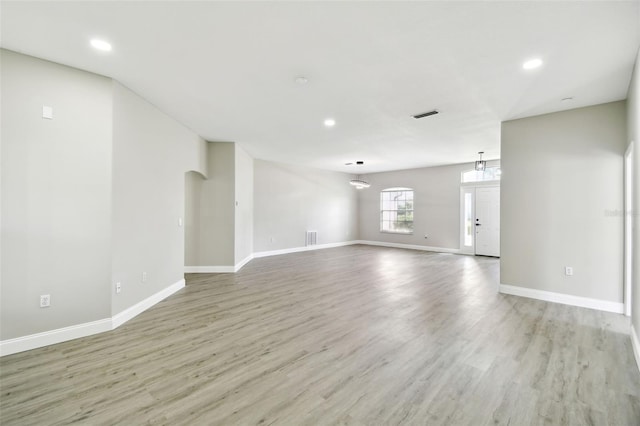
227 69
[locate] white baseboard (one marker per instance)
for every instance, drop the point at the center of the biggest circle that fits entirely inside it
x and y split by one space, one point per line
120 318
243 262
46 338
635 343
408 246
236 268
209 269
299 249
217 269
566 299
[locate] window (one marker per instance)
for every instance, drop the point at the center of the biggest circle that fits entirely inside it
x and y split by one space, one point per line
490 173
396 210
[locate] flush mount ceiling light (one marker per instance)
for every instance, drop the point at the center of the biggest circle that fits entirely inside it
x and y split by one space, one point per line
101 45
302 80
481 164
359 183
329 122
532 64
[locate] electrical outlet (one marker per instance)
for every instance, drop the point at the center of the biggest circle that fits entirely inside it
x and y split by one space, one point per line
47 112
118 287
45 300
568 270
144 277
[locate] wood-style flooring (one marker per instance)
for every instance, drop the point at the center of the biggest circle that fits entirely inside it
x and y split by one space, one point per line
355 335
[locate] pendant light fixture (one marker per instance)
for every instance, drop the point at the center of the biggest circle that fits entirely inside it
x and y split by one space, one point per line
359 183
481 164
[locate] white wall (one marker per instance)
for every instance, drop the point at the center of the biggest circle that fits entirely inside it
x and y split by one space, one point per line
244 205
436 205
633 134
151 153
56 196
562 176
289 200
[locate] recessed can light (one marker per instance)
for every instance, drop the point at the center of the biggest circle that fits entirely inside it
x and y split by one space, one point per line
570 98
101 45
329 122
532 63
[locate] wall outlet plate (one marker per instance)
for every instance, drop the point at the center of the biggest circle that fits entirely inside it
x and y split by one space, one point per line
45 300
568 270
47 112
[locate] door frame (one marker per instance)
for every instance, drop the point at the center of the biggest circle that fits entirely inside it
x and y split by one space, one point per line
465 188
628 227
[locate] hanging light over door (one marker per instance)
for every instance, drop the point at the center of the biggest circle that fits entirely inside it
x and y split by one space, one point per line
481 164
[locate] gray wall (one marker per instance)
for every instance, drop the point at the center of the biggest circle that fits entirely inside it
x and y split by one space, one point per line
244 205
216 223
151 153
56 196
633 134
192 200
90 198
289 200
561 175
436 205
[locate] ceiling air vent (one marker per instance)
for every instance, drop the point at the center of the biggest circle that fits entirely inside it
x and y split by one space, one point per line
426 114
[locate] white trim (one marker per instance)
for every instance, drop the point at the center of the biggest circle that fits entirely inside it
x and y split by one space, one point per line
120 318
236 268
298 249
209 269
408 246
218 269
242 263
567 299
51 337
635 343
628 228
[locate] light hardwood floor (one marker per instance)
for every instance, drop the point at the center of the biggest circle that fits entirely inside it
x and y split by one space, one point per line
354 335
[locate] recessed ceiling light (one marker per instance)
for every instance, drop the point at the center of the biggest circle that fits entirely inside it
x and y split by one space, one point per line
101 45
532 63
329 122
302 80
570 98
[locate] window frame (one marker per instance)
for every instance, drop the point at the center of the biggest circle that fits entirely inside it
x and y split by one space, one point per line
394 212
490 174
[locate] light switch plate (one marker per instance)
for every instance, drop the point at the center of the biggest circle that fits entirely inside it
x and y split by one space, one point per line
47 112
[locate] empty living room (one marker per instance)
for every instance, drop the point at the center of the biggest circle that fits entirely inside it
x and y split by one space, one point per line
320 212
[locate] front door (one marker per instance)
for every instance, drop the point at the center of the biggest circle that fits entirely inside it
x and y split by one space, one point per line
487 224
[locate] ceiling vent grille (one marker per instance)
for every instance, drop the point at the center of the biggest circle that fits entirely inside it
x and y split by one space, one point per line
426 114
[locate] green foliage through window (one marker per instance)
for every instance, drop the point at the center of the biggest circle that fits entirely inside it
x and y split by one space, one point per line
396 210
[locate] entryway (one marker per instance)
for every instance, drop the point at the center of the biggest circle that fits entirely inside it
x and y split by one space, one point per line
480 220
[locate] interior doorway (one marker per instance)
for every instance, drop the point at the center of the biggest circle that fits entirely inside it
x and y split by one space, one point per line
480 220
628 227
